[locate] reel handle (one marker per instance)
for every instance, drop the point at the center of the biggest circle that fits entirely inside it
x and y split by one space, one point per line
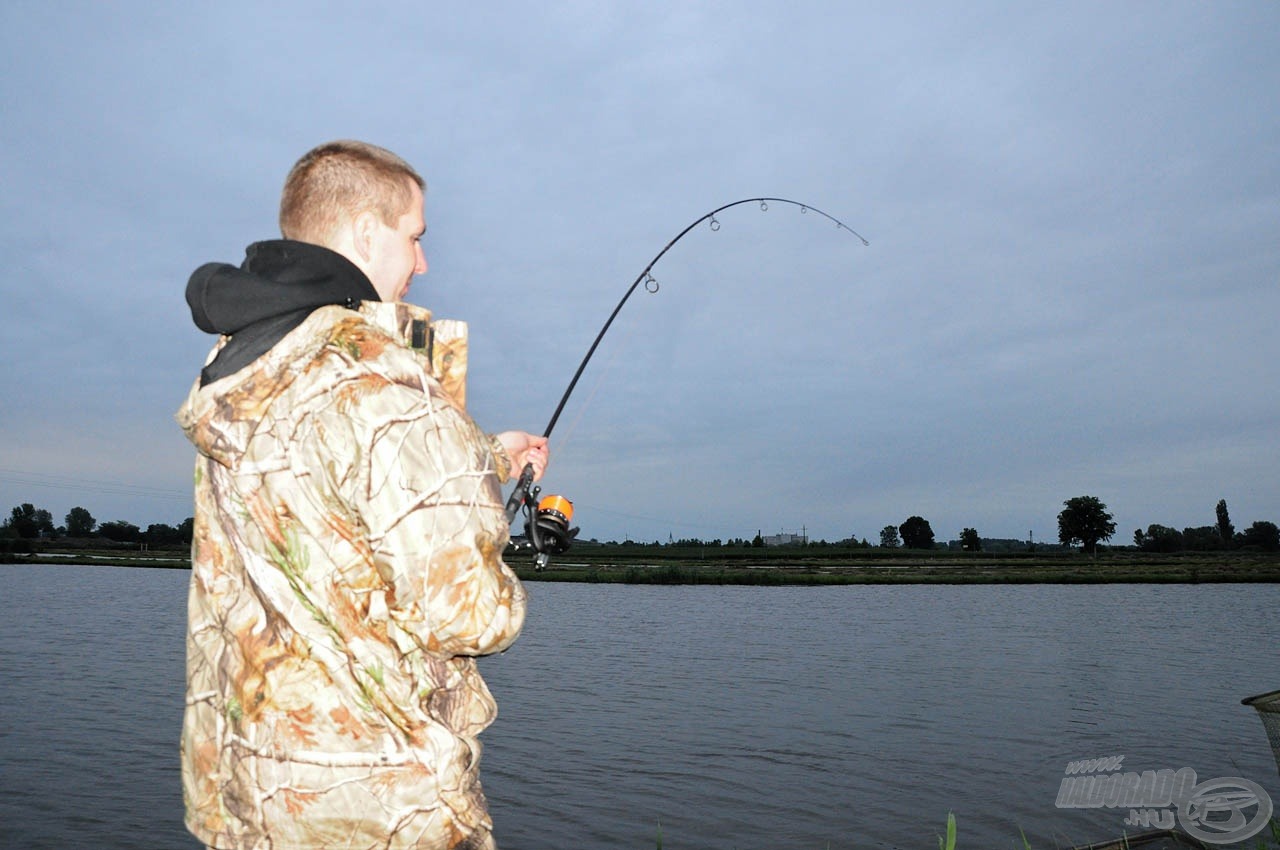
520 493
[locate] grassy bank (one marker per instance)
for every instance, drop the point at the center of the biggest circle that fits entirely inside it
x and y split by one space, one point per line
825 565
1079 570
155 560
612 563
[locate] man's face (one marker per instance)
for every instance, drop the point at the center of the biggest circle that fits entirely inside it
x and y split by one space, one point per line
397 254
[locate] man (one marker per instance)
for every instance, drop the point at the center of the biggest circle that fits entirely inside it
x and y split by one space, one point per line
349 527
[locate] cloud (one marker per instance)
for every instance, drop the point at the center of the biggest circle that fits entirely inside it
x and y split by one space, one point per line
1071 286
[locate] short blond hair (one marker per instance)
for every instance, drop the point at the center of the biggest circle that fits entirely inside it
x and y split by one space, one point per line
339 180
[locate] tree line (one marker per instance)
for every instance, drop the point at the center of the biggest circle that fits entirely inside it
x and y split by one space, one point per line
1083 521
27 522
1222 535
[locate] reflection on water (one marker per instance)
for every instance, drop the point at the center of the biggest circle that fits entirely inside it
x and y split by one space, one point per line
726 717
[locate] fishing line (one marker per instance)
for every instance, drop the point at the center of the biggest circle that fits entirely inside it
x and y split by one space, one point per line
619 350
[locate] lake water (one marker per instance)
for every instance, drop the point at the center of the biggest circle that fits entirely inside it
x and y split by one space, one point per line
722 718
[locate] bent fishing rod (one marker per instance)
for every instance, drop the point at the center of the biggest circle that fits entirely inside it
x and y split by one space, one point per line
547 521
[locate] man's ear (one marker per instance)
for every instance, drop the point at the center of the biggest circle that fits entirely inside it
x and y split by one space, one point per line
364 229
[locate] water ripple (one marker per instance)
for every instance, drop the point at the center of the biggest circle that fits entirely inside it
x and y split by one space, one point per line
724 718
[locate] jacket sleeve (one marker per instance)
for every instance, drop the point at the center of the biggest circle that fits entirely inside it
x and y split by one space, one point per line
432 508
501 460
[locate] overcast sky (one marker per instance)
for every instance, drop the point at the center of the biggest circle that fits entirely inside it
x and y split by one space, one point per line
1071 287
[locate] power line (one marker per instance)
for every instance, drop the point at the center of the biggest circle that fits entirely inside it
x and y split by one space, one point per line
110 488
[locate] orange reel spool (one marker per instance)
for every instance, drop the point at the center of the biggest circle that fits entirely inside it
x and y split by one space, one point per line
549 529
557 506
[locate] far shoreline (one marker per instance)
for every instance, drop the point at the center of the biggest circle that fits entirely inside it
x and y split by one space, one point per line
600 564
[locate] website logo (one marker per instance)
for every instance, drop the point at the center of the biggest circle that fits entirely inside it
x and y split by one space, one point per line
1219 811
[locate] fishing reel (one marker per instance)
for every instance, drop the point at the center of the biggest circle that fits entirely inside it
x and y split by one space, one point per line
546 524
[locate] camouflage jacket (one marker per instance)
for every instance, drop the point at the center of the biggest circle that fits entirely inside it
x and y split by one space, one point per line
346 572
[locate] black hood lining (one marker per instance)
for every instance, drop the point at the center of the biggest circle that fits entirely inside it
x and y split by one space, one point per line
278 285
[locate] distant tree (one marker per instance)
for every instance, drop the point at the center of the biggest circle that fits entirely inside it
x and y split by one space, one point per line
186 530
758 540
44 522
80 522
1264 535
1226 531
916 533
889 537
27 521
1085 520
21 522
160 534
120 531
1160 538
1205 538
970 541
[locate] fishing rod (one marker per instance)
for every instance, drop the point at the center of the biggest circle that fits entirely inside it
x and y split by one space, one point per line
547 521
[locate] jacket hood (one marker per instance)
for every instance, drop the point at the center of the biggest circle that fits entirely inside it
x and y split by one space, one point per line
396 342
276 287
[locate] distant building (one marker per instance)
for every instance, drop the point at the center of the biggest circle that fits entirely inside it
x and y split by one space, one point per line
785 540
